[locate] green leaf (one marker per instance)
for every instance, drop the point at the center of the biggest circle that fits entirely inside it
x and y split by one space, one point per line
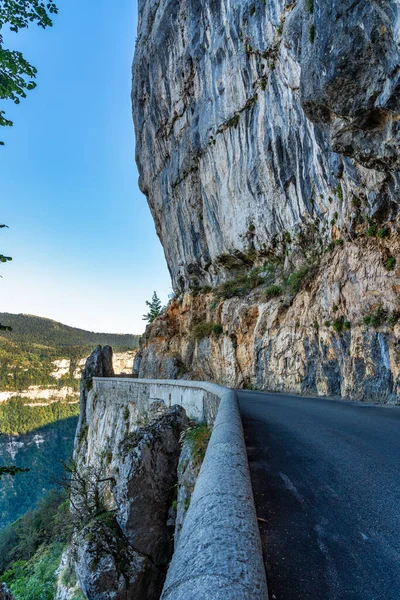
16 73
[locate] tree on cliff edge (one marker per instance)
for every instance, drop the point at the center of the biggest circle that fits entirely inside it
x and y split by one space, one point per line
16 73
155 308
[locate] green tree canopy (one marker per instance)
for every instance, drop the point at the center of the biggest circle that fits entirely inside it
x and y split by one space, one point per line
17 74
155 308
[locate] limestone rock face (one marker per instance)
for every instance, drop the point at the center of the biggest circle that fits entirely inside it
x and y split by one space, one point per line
350 79
98 364
258 120
123 552
312 342
123 482
269 132
188 471
144 488
108 568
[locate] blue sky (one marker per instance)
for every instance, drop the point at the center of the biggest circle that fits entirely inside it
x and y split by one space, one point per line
80 232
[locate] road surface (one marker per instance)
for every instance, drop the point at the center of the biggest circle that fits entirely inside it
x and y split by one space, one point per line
326 480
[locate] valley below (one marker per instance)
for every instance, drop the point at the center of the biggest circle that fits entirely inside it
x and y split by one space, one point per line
41 363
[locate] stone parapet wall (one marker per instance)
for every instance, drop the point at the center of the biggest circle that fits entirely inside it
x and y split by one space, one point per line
218 555
199 399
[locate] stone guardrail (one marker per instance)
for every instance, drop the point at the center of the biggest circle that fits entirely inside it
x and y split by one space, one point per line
218 555
200 400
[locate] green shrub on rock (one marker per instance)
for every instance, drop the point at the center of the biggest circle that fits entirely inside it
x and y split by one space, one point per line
340 325
379 317
273 290
198 437
296 279
218 329
202 330
383 232
390 263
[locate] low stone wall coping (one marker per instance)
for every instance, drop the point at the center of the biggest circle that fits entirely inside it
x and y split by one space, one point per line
201 385
219 555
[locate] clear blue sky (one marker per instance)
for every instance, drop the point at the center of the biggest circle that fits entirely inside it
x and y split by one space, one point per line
80 232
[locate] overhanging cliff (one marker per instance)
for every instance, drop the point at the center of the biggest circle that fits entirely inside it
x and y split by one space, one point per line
267 137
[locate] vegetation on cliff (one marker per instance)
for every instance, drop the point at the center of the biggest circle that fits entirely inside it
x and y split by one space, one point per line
31 548
16 417
29 349
40 450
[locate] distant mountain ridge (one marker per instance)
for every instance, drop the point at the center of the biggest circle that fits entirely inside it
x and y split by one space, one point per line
40 330
36 433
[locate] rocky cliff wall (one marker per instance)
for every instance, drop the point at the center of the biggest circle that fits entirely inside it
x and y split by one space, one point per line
125 480
315 341
256 118
268 134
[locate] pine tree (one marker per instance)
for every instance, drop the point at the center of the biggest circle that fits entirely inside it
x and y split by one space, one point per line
155 308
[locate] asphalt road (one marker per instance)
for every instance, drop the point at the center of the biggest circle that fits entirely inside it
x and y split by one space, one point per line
326 480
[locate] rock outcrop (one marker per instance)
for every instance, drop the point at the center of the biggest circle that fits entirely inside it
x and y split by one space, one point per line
144 488
108 567
267 132
99 364
68 587
301 343
188 470
122 491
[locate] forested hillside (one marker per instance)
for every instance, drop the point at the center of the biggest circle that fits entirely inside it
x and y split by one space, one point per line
37 433
26 364
38 330
31 548
28 352
40 447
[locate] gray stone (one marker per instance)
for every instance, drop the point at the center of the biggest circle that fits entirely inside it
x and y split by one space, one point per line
188 472
350 81
144 489
108 568
249 116
98 364
127 452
